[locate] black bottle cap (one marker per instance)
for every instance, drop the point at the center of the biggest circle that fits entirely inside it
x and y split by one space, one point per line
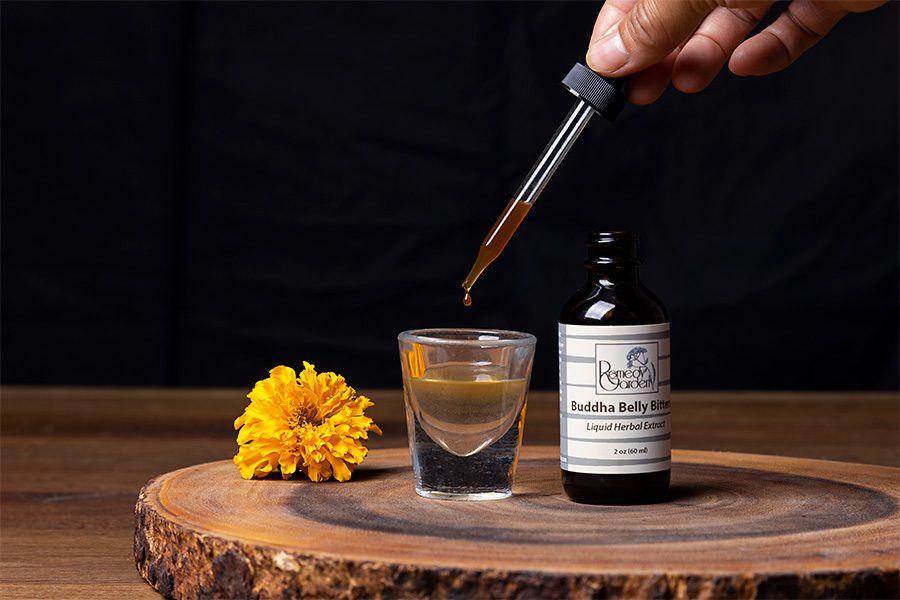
616 248
603 94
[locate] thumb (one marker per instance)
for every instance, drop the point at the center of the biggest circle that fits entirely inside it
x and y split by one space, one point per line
647 33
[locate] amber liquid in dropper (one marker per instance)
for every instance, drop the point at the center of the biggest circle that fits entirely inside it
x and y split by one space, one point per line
495 242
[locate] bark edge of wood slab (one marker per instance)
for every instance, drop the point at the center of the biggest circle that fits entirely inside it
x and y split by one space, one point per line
736 526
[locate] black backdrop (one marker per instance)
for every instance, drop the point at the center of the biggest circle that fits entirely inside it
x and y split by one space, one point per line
192 194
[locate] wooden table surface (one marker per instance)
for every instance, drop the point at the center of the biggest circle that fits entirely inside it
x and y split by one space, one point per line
73 460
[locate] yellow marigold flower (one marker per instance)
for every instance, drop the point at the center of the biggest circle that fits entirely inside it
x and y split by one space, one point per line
313 423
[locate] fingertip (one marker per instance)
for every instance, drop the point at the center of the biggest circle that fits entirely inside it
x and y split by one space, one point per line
740 62
648 85
697 65
608 55
760 55
642 94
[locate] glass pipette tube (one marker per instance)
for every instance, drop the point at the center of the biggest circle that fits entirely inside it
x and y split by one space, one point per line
595 94
528 192
554 153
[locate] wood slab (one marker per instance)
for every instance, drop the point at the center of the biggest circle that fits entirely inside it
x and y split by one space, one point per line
736 526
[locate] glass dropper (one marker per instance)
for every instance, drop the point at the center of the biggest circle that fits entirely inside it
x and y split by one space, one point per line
554 153
595 94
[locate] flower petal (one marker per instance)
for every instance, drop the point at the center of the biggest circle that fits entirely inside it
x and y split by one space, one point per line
339 467
283 374
319 471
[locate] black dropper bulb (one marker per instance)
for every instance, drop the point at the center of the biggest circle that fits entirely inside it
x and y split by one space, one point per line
604 94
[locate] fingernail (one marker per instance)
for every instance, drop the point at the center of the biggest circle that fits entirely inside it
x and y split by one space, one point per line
608 54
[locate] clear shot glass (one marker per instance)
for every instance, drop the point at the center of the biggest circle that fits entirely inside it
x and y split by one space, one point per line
465 393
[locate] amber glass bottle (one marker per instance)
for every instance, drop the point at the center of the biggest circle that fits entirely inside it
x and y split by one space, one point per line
615 418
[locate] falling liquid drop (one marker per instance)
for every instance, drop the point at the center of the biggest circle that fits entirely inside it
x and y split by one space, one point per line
467 299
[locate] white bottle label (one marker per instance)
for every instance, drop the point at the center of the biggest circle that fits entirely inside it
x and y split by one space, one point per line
614 406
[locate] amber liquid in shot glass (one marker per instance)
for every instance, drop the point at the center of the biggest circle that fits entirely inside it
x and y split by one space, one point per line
465 393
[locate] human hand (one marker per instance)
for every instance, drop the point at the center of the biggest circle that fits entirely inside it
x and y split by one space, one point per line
689 41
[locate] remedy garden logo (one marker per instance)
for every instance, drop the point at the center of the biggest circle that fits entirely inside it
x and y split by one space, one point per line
627 369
